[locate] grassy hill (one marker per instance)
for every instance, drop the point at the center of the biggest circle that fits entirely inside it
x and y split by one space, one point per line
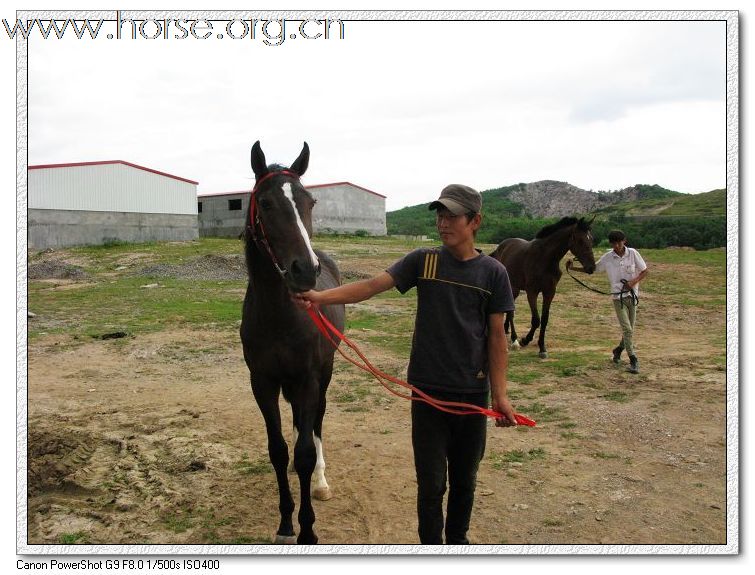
678 205
654 217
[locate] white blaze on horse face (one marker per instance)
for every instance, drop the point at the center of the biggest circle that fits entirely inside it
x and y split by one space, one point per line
289 193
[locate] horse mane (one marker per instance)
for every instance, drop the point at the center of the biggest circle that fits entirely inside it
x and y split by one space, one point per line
563 223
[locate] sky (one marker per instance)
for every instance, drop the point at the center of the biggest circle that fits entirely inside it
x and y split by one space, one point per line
400 108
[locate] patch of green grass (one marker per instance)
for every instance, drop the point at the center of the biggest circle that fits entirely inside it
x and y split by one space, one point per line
73 538
522 375
542 413
570 435
123 305
352 394
499 460
617 396
178 522
603 455
552 523
259 467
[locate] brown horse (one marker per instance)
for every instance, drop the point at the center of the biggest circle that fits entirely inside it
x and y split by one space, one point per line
533 266
282 347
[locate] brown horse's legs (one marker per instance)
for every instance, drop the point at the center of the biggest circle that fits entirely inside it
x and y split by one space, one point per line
267 400
508 326
547 299
535 321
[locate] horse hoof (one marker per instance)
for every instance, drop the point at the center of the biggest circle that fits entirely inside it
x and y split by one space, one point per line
515 344
284 539
543 355
322 493
307 540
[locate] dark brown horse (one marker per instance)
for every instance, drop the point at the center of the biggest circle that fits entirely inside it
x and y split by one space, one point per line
282 347
533 266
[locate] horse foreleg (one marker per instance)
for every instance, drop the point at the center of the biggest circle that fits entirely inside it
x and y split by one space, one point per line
267 400
305 460
547 299
535 321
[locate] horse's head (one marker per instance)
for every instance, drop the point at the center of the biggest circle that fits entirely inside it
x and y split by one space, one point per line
280 216
581 244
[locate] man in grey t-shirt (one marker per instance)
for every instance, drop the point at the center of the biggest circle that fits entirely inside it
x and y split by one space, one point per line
459 353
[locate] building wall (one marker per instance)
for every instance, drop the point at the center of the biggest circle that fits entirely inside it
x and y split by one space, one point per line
99 203
217 220
63 228
347 209
109 188
340 208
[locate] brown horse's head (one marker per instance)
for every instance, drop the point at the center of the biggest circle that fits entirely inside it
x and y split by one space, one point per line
581 243
281 217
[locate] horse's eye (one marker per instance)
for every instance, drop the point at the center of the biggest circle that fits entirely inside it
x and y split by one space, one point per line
266 204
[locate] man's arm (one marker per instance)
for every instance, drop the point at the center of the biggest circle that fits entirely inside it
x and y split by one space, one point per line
498 357
638 279
348 293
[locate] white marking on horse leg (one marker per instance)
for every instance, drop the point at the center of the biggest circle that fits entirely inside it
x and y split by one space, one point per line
515 344
320 489
288 192
284 539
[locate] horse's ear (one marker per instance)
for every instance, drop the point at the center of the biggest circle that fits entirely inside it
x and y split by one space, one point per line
300 164
592 219
259 165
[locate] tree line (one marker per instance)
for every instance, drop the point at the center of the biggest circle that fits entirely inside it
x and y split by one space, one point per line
700 233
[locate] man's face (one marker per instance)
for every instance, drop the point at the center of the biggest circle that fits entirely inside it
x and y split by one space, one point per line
455 230
618 246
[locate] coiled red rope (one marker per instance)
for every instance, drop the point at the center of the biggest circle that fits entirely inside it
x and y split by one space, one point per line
334 335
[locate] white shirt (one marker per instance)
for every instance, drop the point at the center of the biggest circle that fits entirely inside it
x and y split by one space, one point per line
626 267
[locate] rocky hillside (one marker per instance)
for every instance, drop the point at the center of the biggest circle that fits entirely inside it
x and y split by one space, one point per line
551 199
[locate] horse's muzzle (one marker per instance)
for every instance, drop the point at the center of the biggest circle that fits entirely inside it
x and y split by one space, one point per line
302 275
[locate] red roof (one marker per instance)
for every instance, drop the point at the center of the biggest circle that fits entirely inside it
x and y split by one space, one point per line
75 165
307 187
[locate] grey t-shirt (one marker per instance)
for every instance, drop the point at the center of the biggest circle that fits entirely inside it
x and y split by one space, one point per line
454 300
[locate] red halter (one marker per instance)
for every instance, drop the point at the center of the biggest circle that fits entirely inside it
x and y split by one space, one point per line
254 217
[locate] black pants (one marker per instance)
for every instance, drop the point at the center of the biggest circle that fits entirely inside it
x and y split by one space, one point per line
443 442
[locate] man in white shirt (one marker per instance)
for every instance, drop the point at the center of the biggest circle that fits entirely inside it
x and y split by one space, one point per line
626 269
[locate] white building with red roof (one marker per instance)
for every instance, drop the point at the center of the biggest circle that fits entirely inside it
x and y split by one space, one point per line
341 208
110 201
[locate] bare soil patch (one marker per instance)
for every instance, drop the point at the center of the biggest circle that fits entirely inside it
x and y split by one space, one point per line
154 438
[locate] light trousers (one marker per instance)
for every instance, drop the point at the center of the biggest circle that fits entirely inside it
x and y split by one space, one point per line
627 315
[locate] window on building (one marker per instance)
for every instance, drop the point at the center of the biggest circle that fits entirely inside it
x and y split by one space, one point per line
234 205
199 207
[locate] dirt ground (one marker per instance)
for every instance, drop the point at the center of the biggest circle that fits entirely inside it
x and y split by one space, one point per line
156 439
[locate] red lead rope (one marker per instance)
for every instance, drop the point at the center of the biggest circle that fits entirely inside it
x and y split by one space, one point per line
454 407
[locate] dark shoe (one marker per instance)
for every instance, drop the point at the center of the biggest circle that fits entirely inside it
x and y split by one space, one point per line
634 365
617 354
